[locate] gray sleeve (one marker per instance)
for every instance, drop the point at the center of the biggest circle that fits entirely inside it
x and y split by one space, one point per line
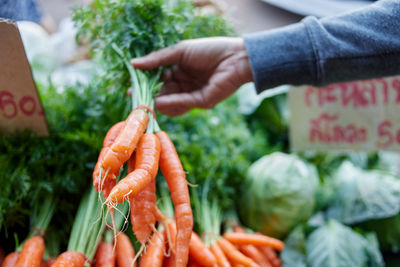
357 45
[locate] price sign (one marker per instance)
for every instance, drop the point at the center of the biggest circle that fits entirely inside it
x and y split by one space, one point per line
354 116
20 106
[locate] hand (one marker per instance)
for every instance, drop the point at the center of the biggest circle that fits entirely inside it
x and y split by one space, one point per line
204 72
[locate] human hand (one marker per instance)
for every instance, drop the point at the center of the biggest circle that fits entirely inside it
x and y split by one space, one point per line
204 72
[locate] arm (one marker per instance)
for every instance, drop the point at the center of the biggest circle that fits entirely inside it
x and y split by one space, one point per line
358 45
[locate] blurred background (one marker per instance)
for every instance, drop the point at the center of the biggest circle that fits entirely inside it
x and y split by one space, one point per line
248 15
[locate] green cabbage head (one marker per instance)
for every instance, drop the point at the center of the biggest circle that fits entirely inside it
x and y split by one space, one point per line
279 193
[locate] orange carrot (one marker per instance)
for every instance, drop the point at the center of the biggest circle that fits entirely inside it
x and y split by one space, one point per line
10 259
143 205
142 212
126 141
154 255
219 255
105 256
169 261
148 154
193 263
125 253
70 259
171 227
131 185
271 255
108 187
171 231
107 142
159 216
31 253
253 239
175 177
252 251
200 253
49 262
233 254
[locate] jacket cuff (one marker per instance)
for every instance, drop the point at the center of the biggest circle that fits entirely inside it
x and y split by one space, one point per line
282 56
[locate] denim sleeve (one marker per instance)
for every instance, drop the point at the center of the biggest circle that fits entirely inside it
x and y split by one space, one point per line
357 45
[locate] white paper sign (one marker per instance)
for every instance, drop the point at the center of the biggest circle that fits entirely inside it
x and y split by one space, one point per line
354 116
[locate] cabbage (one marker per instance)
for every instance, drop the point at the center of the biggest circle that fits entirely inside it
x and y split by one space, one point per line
370 200
332 244
279 193
363 195
336 245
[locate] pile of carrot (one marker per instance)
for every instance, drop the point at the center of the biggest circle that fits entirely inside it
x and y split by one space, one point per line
139 142
236 249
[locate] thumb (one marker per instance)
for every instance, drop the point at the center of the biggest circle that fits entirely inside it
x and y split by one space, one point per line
166 56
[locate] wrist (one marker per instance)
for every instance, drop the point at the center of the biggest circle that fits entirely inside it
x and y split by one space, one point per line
243 67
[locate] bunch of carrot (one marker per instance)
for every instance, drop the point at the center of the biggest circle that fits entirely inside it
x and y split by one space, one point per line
139 141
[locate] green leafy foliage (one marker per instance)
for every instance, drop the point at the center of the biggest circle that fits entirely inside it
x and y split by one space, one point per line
138 28
279 193
61 164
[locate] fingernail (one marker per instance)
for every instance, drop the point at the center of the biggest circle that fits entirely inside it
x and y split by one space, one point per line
137 60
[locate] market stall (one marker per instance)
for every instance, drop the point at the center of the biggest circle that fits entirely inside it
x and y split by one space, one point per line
92 175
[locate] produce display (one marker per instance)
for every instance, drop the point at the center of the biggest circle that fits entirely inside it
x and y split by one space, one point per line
228 193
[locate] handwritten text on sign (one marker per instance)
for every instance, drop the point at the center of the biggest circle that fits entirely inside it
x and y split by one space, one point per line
20 106
361 116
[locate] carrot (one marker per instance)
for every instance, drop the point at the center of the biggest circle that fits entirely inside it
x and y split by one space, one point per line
233 254
107 142
200 253
193 263
175 177
252 251
70 259
143 205
31 253
169 261
271 255
252 239
148 154
219 255
108 187
171 228
49 262
10 259
171 231
159 216
125 253
105 256
154 255
125 143
131 185
142 212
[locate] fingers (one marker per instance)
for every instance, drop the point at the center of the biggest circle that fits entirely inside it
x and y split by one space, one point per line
180 103
162 57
